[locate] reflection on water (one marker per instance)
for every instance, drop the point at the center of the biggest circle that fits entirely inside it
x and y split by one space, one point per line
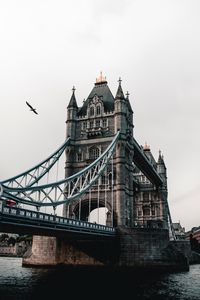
17 282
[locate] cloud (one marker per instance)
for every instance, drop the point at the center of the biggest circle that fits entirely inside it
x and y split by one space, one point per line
111 7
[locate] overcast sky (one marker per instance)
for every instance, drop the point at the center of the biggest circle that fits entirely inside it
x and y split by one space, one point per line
47 46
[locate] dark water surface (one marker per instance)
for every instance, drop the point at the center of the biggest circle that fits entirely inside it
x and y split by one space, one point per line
17 282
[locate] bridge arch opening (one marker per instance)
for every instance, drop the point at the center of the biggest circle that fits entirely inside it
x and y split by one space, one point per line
98 215
93 210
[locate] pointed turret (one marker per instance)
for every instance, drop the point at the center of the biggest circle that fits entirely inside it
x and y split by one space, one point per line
121 111
160 158
128 103
147 151
72 109
161 168
119 94
72 102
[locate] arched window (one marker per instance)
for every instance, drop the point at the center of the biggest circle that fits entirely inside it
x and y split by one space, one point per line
153 212
146 211
91 111
92 124
79 156
97 123
104 123
84 125
139 212
94 152
98 110
146 197
103 179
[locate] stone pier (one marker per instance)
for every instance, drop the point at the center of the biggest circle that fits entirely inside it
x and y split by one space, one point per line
132 248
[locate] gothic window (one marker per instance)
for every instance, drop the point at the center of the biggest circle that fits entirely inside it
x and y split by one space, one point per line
154 198
139 211
91 111
145 197
98 110
91 124
97 123
104 123
84 125
94 152
158 211
103 179
153 210
110 178
79 156
146 211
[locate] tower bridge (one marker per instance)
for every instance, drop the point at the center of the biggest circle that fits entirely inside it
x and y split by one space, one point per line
106 168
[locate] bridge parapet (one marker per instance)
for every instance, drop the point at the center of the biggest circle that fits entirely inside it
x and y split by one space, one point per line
23 218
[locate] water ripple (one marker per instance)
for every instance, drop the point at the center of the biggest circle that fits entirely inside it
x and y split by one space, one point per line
17 282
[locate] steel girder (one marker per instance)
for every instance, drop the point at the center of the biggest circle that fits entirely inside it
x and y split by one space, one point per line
34 174
63 191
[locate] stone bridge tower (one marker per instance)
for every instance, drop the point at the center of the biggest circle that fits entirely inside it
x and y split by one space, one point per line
137 207
92 128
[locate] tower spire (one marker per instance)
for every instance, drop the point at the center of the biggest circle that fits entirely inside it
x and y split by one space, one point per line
72 102
120 93
160 158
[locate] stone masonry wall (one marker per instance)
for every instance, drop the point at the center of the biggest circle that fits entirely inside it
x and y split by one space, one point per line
142 247
52 251
132 248
43 251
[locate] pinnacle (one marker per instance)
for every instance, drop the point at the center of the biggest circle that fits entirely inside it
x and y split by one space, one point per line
72 102
120 93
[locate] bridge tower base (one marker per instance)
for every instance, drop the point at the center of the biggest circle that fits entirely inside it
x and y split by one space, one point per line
42 252
133 248
50 251
150 248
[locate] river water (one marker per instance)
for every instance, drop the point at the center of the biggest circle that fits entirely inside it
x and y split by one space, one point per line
17 282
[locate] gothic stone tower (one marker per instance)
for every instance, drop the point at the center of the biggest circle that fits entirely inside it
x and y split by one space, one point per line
91 128
150 202
134 205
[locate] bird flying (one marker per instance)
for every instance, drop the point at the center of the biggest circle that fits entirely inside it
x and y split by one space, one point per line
31 108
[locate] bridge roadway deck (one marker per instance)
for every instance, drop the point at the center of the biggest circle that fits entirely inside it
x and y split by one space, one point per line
19 220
